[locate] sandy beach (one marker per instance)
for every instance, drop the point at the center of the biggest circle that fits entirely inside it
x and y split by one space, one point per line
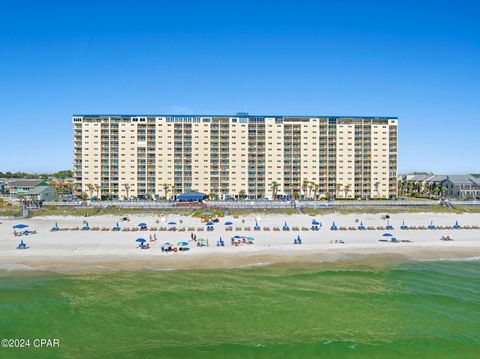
77 250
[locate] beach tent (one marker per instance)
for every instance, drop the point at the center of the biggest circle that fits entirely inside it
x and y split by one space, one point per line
209 226
191 196
20 226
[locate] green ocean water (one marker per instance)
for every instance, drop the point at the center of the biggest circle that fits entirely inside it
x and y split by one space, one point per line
407 310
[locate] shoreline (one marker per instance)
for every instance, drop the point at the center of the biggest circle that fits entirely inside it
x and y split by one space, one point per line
330 256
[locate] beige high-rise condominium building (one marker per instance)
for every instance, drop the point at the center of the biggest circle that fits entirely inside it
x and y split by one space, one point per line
118 156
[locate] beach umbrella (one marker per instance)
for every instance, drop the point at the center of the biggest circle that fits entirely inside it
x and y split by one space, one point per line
172 223
298 238
209 224
140 240
250 239
20 226
286 224
228 223
388 235
56 225
315 222
167 244
237 237
142 224
182 244
115 226
456 224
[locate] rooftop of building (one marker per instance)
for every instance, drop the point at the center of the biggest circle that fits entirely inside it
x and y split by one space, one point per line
27 183
463 179
240 115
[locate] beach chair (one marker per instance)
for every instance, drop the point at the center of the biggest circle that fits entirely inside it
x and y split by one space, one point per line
238 229
247 229
266 229
305 229
276 228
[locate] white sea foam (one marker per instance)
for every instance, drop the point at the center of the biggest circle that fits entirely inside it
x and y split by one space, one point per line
10 267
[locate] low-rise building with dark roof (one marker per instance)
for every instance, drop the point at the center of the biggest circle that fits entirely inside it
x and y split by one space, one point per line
461 187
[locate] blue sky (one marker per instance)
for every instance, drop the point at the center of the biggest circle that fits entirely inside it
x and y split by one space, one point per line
418 60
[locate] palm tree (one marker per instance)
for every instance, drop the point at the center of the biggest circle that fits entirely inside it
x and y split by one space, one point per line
346 189
274 189
338 187
97 190
316 188
166 189
305 187
91 189
377 188
241 194
127 190
311 186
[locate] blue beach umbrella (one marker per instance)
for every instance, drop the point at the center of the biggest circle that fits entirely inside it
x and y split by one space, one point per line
286 224
388 235
56 224
182 244
315 222
209 224
172 223
115 226
142 224
228 223
140 240
237 237
20 226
